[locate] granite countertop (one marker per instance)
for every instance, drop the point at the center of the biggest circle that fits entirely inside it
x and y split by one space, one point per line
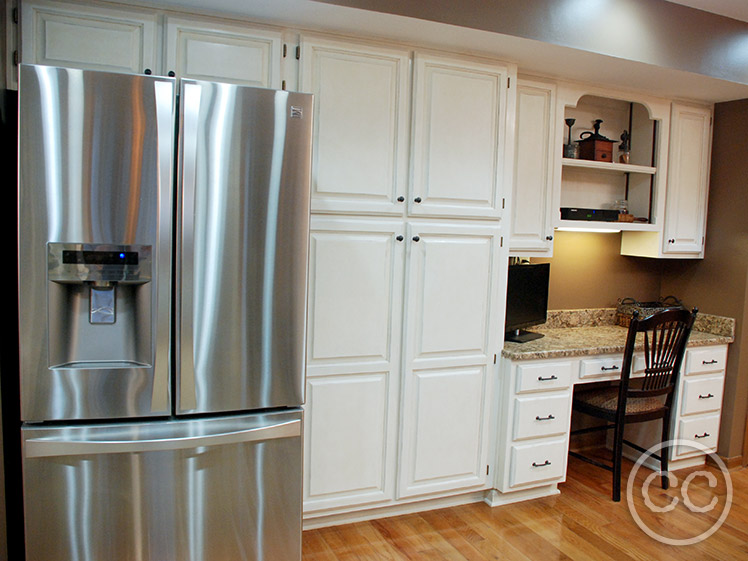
570 333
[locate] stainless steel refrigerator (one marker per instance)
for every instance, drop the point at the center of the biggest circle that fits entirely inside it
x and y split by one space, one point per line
163 241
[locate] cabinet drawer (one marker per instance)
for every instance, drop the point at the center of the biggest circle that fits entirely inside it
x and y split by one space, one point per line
701 394
702 429
608 367
709 359
541 416
535 463
547 376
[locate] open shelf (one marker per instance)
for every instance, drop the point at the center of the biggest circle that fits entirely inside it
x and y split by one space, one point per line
612 167
604 225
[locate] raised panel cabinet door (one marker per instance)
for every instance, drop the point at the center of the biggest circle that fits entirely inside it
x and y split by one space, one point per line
688 180
224 53
458 142
450 340
355 294
452 300
96 38
349 448
532 188
444 430
362 115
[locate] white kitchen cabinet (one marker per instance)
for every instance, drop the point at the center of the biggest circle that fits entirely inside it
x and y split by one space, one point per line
531 226
451 335
533 425
353 361
688 180
357 419
362 124
213 50
120 39
461 155
684 230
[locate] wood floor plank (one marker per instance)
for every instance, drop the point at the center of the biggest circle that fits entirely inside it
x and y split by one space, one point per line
581 524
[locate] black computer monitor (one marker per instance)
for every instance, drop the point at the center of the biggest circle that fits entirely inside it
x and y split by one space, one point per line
526 300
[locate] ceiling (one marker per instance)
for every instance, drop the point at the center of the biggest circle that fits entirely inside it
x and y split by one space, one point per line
735 9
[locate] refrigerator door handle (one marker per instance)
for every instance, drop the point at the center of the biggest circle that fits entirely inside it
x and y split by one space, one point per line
191 94
46 447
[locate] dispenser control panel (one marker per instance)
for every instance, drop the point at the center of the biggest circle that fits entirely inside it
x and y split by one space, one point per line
98 263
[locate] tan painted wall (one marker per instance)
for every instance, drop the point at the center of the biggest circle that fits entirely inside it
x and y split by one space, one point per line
588 271
718 284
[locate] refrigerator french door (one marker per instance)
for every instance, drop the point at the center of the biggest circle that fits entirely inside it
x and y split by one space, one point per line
163 239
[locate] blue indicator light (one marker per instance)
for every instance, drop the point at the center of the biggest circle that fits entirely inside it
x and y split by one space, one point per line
121 255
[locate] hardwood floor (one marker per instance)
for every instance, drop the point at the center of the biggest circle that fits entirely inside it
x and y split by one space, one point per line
581 523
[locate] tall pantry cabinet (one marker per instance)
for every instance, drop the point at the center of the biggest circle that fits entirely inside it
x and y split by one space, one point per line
406 271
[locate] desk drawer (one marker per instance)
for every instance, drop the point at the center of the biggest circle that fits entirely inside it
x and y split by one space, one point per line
541 416
704 430
540 377
702 394
708 359
534 463
605 367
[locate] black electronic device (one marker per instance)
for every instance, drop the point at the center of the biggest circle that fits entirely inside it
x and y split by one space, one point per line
596 214
526 300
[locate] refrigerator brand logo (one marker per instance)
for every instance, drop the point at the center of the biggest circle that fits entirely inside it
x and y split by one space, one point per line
297 112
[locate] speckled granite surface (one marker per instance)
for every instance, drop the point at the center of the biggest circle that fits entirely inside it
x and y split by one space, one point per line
570 333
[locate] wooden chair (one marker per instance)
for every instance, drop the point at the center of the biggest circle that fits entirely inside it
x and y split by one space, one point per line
664 336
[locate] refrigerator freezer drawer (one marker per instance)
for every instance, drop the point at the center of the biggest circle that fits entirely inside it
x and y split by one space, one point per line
198 490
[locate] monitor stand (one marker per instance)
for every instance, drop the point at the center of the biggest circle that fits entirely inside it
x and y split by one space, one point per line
521 336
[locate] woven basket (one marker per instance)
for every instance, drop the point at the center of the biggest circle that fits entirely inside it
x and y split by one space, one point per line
627 306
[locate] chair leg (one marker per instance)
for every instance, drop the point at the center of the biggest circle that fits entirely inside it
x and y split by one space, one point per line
617 460
665 451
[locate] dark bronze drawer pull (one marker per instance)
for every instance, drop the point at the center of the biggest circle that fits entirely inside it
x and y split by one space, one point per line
707 396
605 368
546 463
713 361
548 418
551 377
702 435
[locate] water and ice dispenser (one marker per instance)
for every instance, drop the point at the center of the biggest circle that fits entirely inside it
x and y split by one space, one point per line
99 305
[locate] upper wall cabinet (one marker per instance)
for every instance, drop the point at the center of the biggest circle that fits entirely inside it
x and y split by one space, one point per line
217 51
125 40
362 102
683 235
459 137
83 36
534 158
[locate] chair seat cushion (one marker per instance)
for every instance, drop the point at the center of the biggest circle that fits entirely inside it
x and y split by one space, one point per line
607 400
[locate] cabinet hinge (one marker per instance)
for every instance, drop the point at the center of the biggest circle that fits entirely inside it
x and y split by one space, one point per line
503 203
298 52
284 50
501 241
509 82
15 58
283 85
15 15
487 467
494 359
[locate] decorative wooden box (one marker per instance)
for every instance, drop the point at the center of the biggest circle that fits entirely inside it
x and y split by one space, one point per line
596 149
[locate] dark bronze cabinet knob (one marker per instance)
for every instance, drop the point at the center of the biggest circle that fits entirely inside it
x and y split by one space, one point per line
416 238
400 199
399 238
417 199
